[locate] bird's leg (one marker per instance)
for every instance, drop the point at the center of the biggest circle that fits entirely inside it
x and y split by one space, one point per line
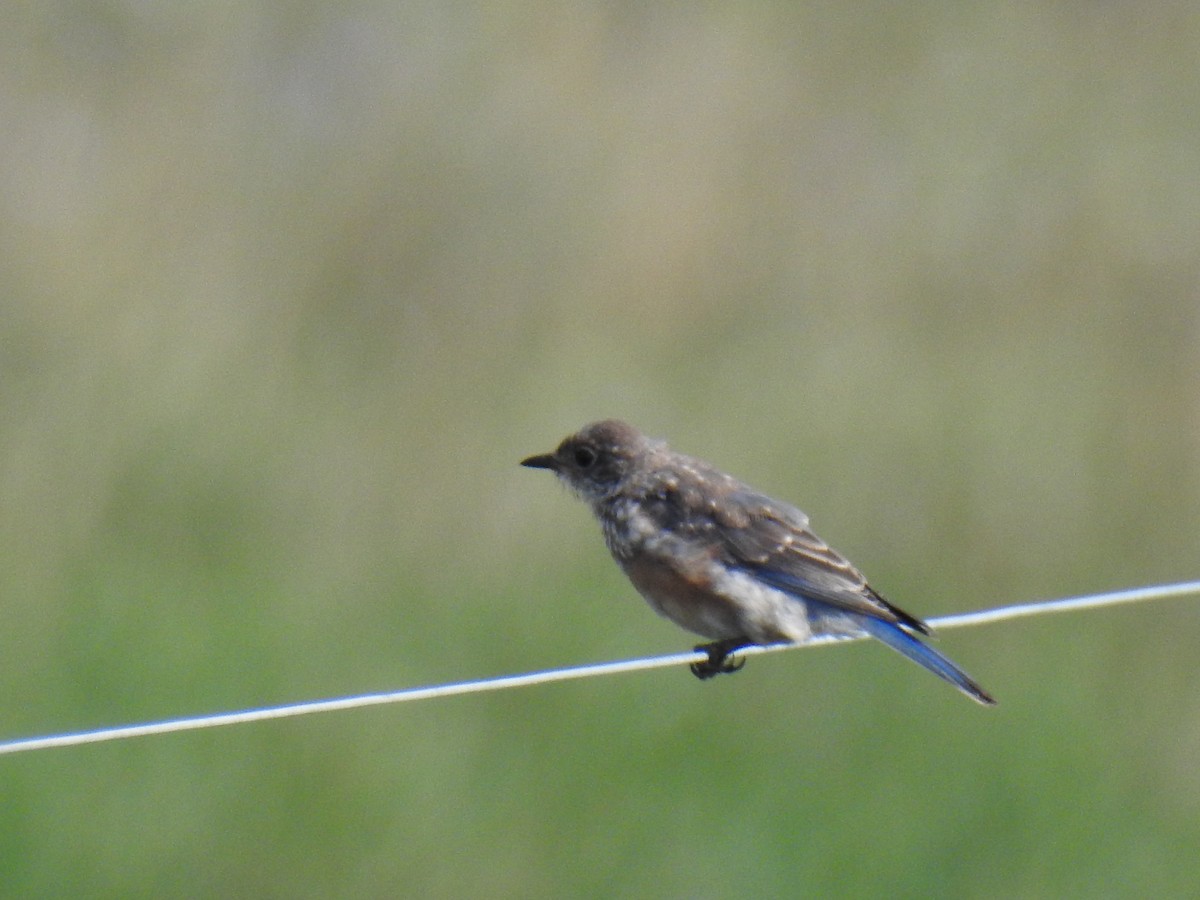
718 662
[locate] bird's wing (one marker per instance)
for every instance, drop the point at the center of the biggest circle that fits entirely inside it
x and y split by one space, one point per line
772 541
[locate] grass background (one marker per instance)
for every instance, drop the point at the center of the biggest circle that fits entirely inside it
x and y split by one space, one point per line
287 290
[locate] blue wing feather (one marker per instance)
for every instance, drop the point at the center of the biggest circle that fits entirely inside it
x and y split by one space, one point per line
924 655
854 598
882 621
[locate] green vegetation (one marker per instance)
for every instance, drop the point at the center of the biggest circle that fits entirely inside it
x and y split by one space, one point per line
288 290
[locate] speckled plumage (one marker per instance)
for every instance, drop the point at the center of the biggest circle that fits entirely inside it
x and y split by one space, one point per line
723 560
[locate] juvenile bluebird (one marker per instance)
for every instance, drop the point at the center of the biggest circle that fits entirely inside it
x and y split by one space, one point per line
724 561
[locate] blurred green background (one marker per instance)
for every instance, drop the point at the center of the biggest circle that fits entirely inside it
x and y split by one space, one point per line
287 290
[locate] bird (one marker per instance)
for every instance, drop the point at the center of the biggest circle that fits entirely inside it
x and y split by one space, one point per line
723 560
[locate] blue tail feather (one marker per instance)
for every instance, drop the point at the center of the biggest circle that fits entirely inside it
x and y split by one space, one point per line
924 655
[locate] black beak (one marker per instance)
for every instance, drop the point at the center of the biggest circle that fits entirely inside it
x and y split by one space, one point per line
542 461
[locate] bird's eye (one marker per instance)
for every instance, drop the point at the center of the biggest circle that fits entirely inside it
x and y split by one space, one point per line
585 457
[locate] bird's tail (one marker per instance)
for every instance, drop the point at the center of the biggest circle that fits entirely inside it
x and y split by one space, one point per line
924 655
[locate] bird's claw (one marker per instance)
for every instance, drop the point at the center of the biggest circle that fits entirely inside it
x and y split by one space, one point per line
718 662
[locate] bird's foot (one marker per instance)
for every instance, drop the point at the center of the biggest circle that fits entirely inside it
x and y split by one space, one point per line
718 662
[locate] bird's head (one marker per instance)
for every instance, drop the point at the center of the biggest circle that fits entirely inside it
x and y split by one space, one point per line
596 459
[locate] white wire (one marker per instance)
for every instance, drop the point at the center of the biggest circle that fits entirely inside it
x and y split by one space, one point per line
504 682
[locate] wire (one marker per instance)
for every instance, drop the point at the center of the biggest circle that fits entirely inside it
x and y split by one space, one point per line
505 682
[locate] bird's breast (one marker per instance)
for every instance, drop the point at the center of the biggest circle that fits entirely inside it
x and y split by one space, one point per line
687 601
696 592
